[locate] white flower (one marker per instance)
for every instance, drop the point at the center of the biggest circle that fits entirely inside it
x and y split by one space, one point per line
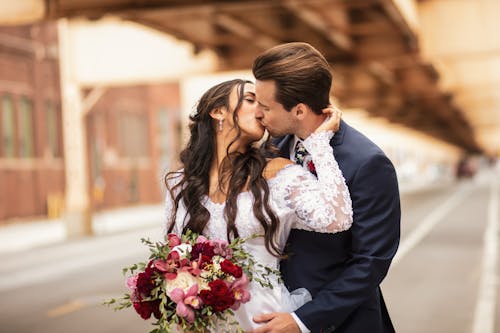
184 280
203 284
206 274
216 262
183 249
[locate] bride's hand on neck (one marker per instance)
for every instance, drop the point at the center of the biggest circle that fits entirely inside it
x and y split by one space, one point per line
332 122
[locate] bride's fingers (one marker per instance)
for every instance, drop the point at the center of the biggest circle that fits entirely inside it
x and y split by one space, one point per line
333 120
332 110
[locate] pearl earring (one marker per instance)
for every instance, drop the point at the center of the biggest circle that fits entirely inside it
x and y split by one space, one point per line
220 124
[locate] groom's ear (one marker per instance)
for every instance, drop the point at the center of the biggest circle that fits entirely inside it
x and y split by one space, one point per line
300 110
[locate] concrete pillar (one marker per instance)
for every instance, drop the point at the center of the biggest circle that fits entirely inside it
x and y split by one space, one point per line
78 214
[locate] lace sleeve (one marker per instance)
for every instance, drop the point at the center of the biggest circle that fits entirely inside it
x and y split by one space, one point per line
321 204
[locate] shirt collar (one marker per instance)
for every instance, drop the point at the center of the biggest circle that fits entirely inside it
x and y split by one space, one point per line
294 143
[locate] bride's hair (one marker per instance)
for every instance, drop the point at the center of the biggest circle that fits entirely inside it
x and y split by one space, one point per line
237 170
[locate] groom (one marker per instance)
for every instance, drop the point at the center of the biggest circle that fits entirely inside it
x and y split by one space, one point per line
342 271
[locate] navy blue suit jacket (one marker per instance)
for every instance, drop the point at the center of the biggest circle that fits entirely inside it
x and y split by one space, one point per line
343 271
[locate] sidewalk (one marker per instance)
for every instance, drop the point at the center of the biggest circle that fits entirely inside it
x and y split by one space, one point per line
26 235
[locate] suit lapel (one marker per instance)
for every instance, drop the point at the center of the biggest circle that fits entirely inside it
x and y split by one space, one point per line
283 145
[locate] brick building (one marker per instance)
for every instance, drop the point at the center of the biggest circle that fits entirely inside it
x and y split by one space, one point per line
31 154
132 132
133 137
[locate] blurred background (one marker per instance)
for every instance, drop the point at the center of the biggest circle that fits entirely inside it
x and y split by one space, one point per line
95 98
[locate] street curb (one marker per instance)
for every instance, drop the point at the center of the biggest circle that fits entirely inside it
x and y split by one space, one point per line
25 235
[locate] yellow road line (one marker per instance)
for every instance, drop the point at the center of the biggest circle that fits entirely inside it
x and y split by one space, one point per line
69 307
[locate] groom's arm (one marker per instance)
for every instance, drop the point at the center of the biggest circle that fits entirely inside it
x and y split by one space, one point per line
375 239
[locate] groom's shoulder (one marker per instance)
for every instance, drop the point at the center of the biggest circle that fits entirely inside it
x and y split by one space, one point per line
359 146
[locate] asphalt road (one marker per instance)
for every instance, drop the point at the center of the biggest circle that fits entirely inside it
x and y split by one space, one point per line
444 280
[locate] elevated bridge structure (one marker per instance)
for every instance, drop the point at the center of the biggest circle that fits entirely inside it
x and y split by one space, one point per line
372 45
430 65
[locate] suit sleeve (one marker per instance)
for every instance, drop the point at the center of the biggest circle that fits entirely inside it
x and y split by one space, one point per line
375 239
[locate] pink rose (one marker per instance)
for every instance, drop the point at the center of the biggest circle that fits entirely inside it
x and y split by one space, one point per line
132 283
173 240
201 239
221 248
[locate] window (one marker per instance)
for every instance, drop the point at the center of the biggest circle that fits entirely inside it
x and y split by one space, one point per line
169 135
8 127
163 136
133 139
26 148
52 129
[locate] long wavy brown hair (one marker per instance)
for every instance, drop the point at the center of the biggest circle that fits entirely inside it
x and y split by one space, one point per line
239 171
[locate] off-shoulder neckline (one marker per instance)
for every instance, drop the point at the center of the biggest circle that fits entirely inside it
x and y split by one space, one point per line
269 181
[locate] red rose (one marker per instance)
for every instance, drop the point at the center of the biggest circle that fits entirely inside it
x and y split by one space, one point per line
203 248
219 297
228 267
145 309
218 287
205 260
145 284
145 280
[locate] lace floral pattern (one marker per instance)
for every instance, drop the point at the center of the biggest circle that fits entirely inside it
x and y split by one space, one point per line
330 179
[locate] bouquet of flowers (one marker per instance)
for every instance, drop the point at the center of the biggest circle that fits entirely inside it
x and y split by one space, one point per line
191 283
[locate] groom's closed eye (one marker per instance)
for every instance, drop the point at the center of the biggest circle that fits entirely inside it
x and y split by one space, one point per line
264 107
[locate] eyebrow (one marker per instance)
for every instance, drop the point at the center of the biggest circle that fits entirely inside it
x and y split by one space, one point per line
250 93
263 105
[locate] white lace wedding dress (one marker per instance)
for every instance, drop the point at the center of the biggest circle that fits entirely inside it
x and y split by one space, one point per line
300 201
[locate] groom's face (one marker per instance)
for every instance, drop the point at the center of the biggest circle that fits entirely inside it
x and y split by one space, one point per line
271 114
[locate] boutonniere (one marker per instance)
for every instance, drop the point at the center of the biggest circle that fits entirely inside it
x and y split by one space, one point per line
311 167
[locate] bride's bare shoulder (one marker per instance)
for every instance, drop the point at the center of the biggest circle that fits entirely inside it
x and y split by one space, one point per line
274 166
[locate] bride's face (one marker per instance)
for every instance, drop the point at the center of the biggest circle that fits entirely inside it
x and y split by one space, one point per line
251 129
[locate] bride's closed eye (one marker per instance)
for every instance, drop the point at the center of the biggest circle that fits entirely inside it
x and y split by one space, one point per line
250 98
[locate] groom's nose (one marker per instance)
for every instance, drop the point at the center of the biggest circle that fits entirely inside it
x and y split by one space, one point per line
258 113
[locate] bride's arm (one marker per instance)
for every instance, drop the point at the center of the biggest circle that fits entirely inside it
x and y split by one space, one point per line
321 204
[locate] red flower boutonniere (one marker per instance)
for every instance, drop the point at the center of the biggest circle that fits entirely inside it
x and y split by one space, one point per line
311 167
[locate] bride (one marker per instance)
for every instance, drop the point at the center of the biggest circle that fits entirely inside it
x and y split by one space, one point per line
227 188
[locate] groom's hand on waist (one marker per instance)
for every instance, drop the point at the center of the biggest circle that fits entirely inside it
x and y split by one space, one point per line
276 322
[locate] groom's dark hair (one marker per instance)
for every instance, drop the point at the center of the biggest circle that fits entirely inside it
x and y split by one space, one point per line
300 72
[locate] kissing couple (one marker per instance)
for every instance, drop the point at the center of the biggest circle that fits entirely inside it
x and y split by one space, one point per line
324 197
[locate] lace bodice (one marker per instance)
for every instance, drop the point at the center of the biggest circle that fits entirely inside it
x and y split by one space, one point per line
299 199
